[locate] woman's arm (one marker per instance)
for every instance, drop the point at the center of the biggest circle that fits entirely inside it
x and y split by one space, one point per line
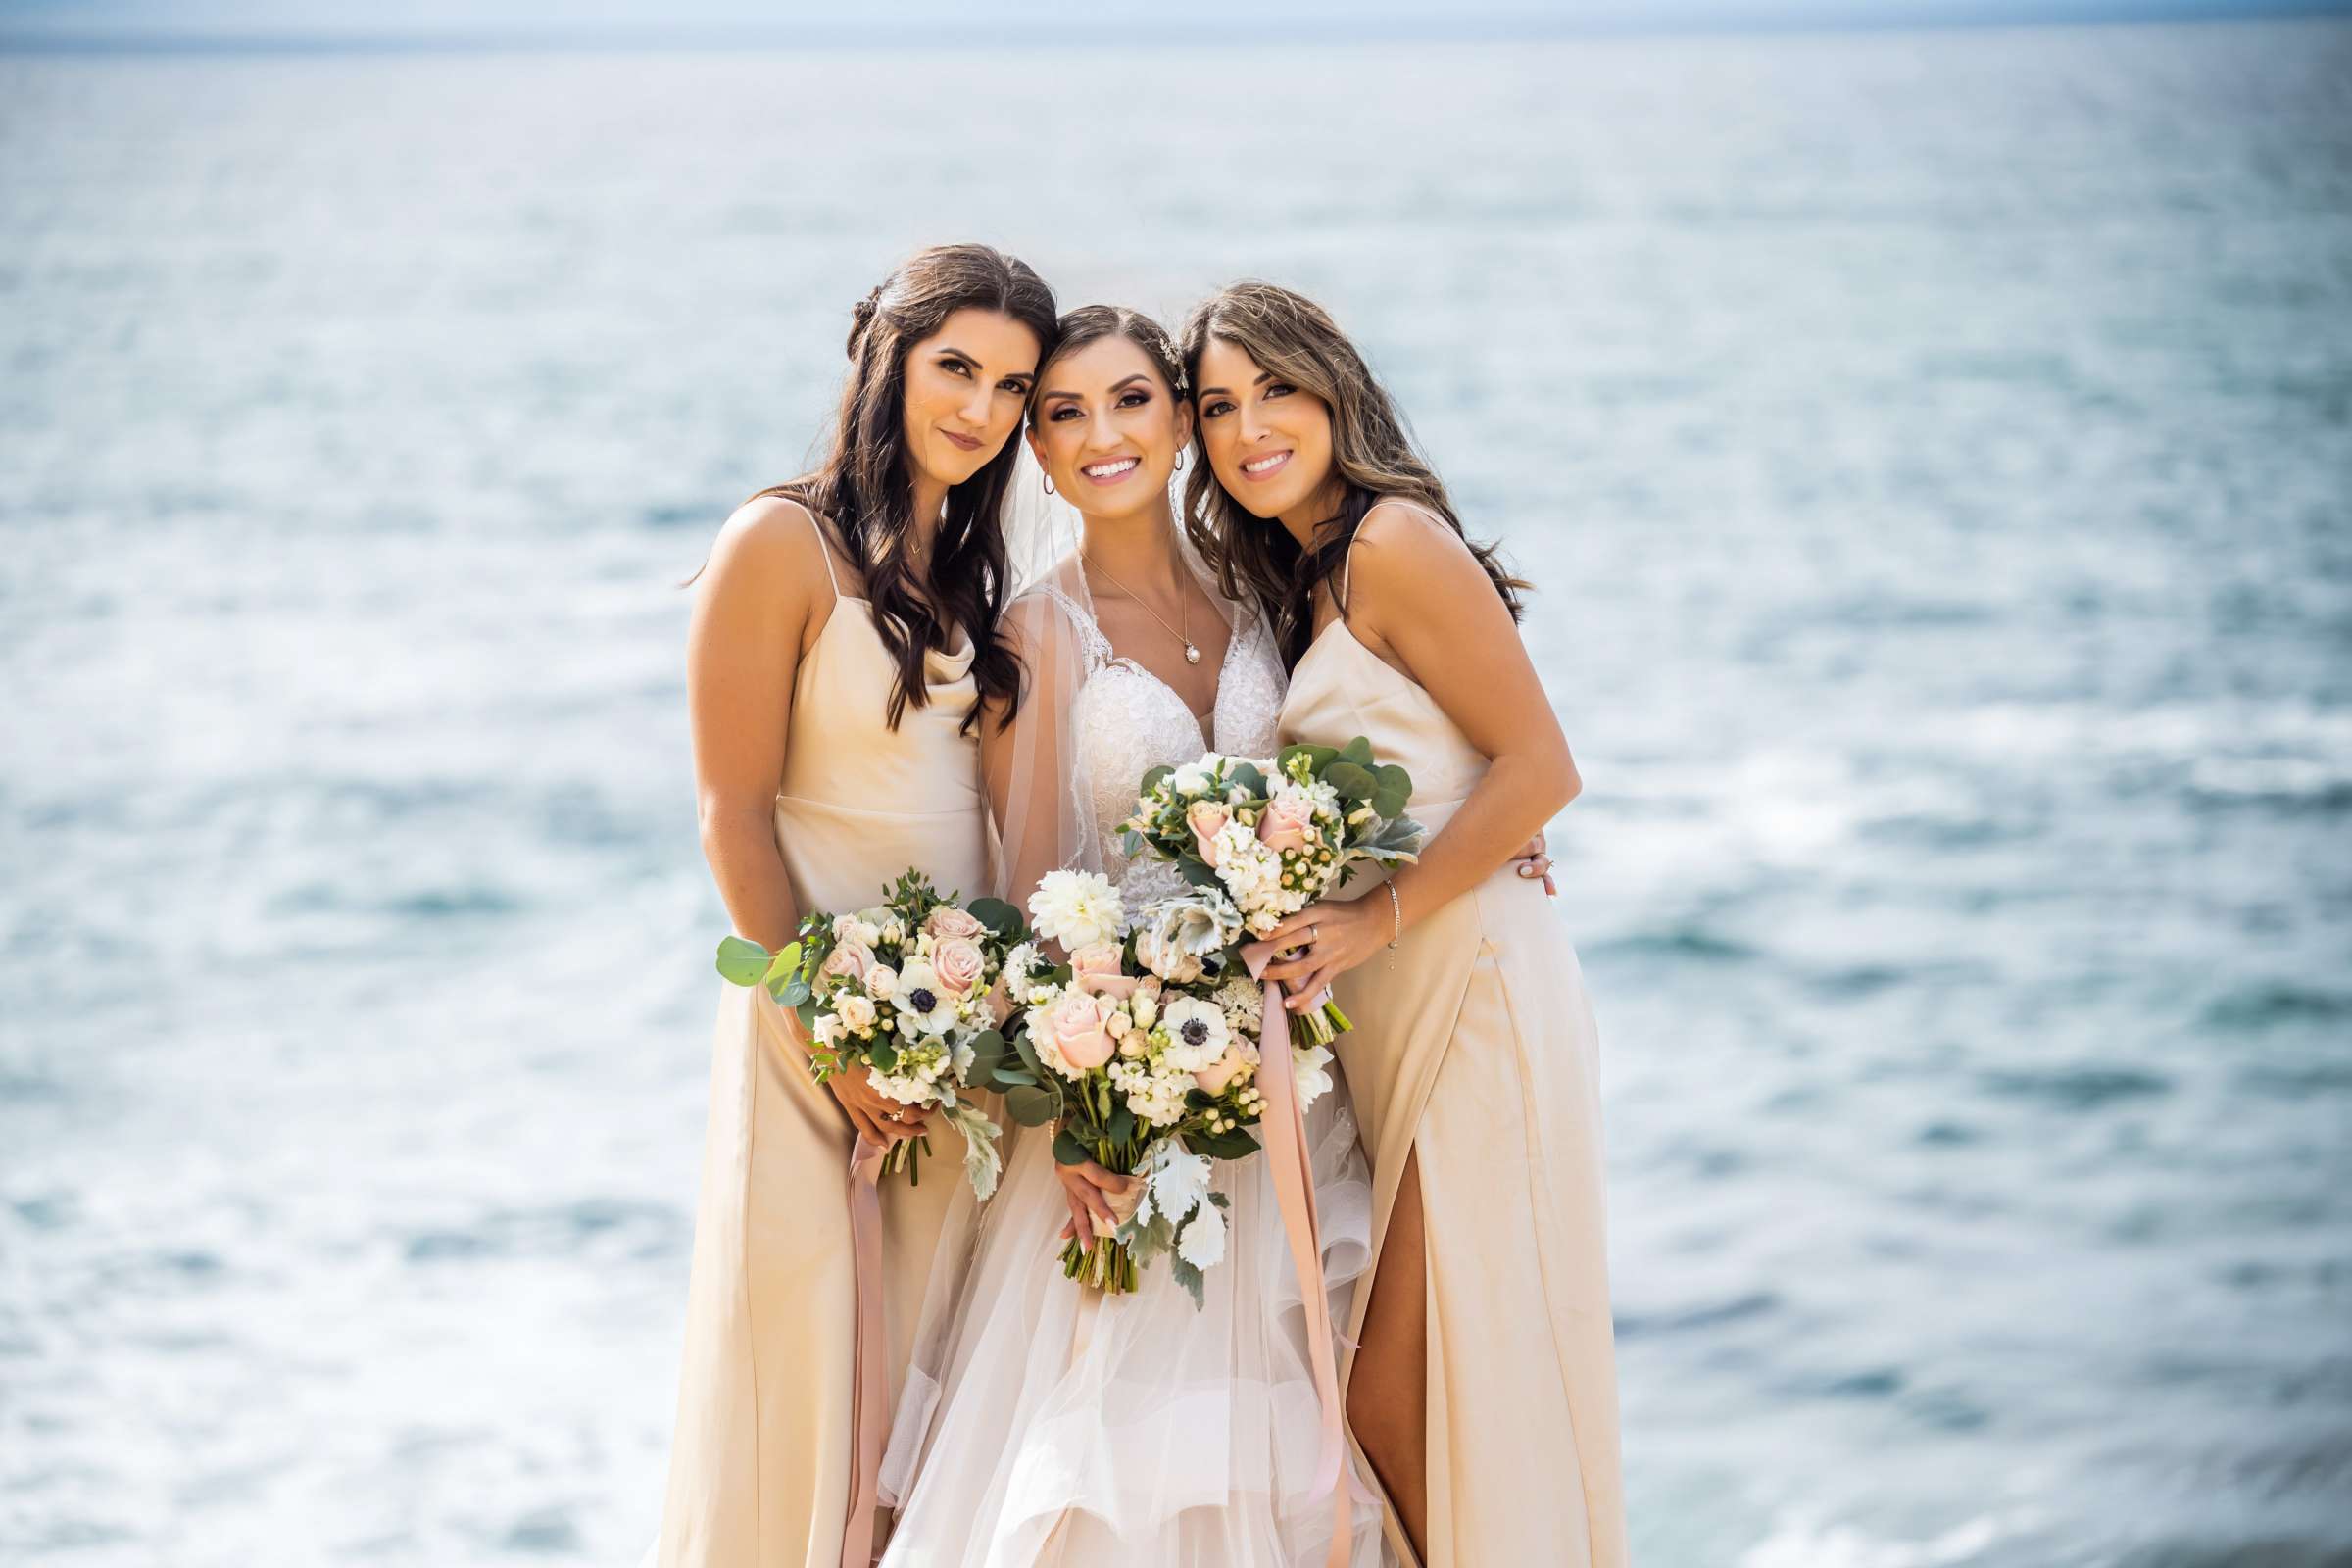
756 604
752 606
1422 601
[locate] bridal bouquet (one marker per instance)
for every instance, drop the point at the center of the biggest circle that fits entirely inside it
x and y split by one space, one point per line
1275 834
1144 1048
911 992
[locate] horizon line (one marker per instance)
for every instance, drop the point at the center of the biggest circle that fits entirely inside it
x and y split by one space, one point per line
1854 16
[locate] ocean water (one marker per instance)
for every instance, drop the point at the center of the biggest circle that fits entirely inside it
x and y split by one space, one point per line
1934 453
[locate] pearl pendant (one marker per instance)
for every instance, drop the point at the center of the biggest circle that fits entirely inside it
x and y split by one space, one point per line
1192 655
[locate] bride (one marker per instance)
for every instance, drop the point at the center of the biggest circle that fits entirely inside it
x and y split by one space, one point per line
1071 1427
1043 1422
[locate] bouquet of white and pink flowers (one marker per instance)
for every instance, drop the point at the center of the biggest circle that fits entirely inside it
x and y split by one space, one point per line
909 991
1144 1048
1275 834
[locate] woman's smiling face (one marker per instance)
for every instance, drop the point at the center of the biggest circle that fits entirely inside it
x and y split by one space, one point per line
967 385
1268 442
1109 427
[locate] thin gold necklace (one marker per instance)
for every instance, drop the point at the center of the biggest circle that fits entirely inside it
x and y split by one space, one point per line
1191 654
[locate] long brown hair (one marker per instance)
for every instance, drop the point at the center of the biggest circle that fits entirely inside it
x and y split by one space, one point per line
864 485
1373 452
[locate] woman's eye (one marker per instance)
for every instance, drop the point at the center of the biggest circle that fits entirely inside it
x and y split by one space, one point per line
1135 400
1211 409
1276 389
955 367
1065 412
1018 389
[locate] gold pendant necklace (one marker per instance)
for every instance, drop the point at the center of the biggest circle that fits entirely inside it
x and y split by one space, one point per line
1191 654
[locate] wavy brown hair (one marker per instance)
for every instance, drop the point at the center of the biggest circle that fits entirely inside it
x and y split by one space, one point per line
864 485
1292 336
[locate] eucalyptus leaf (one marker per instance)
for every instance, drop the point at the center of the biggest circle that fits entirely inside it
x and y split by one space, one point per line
1152 777
989 1052
1393 791
1234 1144
1122 1125
1032 1107
884 1056
1007 1078
807 1012
1353 781
1068 1150
998 915
1028 1055
785 962
1358 751
1247 775
1198 874
1317 758
744 964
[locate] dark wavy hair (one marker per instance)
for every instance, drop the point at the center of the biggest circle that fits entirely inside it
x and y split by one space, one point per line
1295 338
864 485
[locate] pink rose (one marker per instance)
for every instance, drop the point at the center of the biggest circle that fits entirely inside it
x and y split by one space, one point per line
948 921
1094 969
850 960
1206 818
1213 1078
1076 1027
958 963
1289 823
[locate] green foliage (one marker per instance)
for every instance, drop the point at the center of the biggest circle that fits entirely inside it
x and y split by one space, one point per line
1068 1150
1188 1277
1355 782
1032 1106
743 963
1318 757
1234 1144
998 916
1392 790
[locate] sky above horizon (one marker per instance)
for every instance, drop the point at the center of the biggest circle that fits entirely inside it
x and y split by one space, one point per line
588 19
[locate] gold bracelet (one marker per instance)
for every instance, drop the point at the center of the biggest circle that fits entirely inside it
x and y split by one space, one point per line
1397 911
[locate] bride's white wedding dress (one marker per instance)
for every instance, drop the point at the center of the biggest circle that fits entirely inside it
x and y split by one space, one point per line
1048 1424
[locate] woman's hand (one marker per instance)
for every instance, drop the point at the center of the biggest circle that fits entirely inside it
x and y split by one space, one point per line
1337 935
1084 1184
1534 863
879 1120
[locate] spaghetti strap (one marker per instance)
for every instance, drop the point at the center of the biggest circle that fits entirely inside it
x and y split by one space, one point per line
824 547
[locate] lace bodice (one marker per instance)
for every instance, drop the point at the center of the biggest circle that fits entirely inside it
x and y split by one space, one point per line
1128 721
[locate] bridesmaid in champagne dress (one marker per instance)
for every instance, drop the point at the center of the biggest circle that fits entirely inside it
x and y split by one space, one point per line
845 633
1484 1387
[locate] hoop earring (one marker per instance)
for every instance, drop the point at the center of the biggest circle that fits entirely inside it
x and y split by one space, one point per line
1180 454
1049 483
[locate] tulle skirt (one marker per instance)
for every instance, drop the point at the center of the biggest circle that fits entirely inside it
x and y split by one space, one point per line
1047 1424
